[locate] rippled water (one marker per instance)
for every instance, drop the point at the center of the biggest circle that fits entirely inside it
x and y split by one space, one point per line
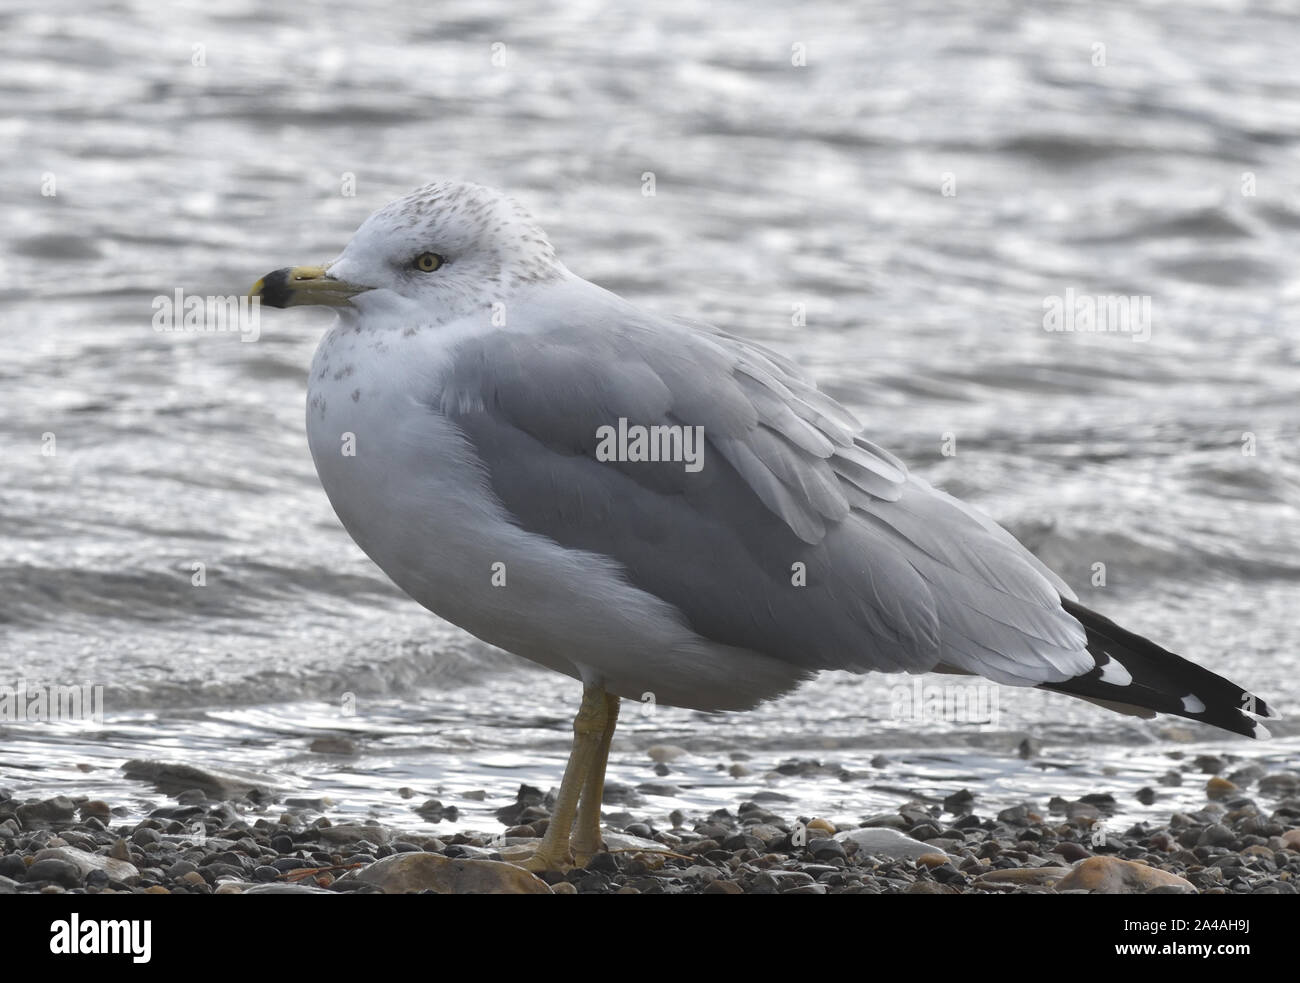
201 149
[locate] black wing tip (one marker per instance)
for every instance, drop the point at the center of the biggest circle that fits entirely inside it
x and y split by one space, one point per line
1146 676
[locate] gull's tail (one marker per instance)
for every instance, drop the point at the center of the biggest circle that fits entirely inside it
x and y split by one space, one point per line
1134 675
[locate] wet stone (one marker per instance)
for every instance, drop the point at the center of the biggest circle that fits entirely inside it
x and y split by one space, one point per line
959 802
826 849
57 809
282 843
1216 835
62 872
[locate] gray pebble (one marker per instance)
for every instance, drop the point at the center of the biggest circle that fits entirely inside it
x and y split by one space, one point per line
1217 835
62 872
58 809
826 849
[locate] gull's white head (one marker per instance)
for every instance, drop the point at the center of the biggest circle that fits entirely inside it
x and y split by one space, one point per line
437 254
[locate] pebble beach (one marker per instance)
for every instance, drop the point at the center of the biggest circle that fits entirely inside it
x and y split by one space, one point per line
901 204
218 835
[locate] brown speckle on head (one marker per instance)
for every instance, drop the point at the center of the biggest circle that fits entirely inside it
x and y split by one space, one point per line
476 228
487 241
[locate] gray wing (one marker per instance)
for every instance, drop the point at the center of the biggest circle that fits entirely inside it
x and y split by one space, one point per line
797 538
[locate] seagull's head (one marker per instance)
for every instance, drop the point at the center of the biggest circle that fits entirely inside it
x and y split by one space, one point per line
435 255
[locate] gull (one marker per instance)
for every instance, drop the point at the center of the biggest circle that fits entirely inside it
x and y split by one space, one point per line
655 507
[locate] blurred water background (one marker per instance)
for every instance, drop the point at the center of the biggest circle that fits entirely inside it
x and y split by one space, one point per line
917 179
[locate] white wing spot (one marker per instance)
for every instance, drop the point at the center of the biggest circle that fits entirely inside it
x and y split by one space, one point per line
1115 674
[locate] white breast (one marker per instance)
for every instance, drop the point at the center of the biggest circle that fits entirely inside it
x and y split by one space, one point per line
407 486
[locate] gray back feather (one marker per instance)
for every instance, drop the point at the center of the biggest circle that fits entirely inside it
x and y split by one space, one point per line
895 575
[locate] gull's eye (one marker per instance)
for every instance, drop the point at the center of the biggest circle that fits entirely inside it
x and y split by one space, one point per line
428 262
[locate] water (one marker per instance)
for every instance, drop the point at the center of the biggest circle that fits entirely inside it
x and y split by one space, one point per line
201 149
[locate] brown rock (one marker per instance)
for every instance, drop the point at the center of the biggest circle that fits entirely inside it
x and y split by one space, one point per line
929 887
333 745
1219 788
721 886
407 873
1110 875
345 834
95 807
1071 851
1291 839
932 859
1023 875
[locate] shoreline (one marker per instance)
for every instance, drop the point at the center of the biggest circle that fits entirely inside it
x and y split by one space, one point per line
1244 839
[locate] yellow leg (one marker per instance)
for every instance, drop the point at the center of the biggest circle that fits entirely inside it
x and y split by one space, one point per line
588 734
586 835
